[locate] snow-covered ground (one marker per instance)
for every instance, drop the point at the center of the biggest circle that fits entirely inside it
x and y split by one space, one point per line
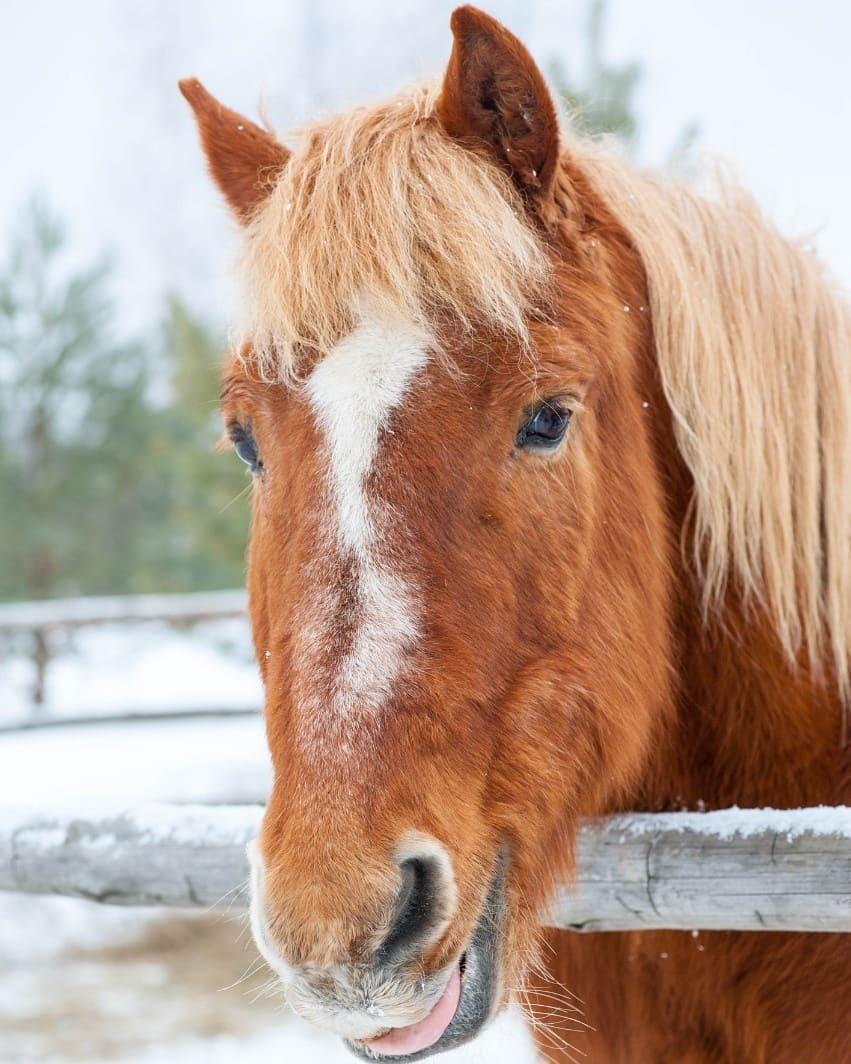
204 760
93 984
86 983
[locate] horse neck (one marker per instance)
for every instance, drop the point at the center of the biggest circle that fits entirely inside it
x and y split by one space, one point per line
749 727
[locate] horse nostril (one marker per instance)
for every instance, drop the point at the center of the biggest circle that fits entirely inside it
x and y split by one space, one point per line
420 908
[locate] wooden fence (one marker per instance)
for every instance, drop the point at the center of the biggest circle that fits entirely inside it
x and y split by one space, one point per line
52 614
39 621
736 869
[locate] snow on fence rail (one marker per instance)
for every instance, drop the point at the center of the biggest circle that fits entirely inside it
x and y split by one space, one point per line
77 612
735 869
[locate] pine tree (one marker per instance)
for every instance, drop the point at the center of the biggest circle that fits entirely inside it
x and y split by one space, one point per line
82 504
207 514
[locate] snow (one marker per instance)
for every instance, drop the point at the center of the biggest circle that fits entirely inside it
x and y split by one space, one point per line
271 1046
47 826
194 825
726 824
103 978
505 1042
206 760
45 928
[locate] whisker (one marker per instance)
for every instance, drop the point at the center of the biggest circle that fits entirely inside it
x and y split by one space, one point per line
238 496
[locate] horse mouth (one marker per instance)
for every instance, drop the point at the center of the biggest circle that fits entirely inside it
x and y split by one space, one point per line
467 1001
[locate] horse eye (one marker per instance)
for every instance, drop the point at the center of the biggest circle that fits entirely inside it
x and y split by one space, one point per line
545 428
246 448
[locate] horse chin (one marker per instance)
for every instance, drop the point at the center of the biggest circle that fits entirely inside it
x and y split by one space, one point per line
480 983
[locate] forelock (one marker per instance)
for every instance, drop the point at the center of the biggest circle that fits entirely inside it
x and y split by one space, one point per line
381 204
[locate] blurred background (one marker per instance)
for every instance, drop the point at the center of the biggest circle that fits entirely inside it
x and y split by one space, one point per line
125 661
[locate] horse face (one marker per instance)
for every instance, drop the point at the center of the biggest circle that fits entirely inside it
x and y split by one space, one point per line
458 593
450 633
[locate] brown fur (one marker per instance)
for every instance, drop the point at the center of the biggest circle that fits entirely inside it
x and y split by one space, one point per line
244 159
570 662
494 101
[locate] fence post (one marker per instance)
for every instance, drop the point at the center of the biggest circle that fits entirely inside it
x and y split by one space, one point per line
41 659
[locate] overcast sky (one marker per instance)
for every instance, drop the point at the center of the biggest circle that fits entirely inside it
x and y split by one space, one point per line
92 118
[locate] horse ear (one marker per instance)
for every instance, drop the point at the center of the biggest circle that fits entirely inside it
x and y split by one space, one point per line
243 158
495 96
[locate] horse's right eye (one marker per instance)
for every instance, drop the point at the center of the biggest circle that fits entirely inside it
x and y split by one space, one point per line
246 448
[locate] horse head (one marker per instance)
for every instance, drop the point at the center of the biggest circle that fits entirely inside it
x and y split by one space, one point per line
458 574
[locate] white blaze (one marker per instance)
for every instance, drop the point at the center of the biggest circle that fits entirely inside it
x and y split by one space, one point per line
353 392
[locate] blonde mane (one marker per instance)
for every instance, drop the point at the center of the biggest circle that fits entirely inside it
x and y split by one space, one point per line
753 340
753 343
378 205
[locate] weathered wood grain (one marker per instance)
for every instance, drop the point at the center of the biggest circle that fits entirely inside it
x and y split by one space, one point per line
742 869
783 870
168 855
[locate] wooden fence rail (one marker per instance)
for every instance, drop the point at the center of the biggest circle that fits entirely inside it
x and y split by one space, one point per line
736 869
186 607
39 621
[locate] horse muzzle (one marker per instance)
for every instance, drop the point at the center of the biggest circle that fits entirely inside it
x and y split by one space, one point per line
477 975
387 1008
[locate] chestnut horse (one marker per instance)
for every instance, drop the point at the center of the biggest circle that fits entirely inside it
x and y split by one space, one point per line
550 519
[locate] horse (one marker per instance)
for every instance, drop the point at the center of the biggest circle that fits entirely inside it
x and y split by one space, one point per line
550 520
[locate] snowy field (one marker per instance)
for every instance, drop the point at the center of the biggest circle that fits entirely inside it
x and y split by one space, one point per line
86 983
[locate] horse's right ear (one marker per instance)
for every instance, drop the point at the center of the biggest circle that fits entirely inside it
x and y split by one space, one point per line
495 98
244 159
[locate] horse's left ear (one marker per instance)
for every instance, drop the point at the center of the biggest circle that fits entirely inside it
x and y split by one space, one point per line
244 159
495 97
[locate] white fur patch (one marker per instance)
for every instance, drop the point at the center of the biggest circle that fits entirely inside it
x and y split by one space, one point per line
258 917
353 392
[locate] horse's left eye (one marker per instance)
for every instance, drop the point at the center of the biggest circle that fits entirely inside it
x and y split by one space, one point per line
246 448
546 427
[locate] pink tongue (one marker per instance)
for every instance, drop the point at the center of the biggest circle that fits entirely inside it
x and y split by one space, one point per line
402 1040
